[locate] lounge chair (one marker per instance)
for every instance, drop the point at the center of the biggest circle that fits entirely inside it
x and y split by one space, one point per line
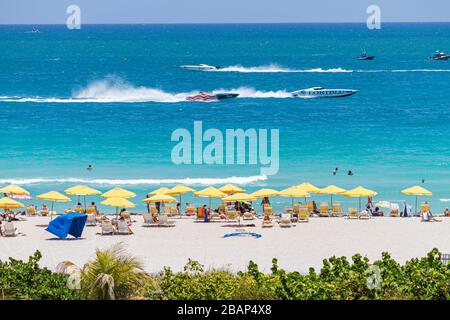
167 210
91 210
122 227
221 208
91 220
310 207
364 215
352 213
163 221
324 210
31 211
267 209
153 210
215 216
267 221
107 227
232 215
10 230
174 211
248 216
303 215
200 214
44 213
337 210
148 220
285 221
189 211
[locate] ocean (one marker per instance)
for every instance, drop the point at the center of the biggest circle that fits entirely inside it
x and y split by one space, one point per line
111 96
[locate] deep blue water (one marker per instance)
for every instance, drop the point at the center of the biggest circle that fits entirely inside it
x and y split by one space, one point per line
111 96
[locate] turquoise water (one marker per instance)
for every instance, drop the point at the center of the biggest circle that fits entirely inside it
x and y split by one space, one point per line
111 96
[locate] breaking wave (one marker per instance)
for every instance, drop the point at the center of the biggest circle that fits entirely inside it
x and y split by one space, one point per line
116 182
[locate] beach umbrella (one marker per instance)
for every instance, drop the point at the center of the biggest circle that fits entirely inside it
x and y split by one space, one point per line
53 196
359 192
308 187
118 202
262 193
293 192
179 190
8 203
210 192
160 198
239 197
119 193
14 189
331 190
162 190
81 190
231 188
417 191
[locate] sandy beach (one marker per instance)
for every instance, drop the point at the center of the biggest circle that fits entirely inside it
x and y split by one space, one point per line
297 248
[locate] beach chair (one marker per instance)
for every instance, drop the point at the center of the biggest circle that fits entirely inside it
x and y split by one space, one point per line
200 215
324 210
163 221
107 227
189 211
248 216
148 219
91 220
91 210
336 210
44 213
9 229
267 209
303 214
122 227
353 213
31 211
310 207
296 208
221 208
174 211
166 210
395 210
267 221
153 210
232 216
215 216
364 215
285 221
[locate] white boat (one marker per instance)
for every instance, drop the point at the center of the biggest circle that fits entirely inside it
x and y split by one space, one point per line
319 92
201 67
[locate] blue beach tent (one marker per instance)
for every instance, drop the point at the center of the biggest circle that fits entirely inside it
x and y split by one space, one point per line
71 223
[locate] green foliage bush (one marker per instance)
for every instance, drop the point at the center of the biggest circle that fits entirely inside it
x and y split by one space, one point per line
26 280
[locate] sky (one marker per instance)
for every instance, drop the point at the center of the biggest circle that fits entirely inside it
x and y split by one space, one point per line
221 11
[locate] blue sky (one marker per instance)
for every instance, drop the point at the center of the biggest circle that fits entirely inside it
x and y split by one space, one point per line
220 11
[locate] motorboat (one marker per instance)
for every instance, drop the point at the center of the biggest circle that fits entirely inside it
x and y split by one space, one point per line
205 97
365 56
200 67
440 55
320 92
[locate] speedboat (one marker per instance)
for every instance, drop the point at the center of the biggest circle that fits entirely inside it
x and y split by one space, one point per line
440 55
201 67
319 92
365 56
205 97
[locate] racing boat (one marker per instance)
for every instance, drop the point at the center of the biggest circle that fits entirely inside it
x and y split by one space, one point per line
365 56
201 67
440 55
205 97
319 92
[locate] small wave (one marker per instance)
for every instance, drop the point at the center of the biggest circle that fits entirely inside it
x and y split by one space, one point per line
115 182
444 200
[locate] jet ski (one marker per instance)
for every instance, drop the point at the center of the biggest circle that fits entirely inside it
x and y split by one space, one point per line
200 67
205 97
365 56
319 92
440 55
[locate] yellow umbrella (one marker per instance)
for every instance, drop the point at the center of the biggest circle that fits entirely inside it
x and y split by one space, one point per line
14 189
417 191
162 190
359 192
293 192
231 188
7 203
160 198
118 193
210 192
308 187
262 193
179 190
239 197
53 196
331 189
81 190
118 202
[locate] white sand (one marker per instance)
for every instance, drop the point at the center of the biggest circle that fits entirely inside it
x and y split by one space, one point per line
297 248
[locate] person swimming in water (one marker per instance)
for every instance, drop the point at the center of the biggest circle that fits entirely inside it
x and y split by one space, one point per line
335 171
89 168
350 173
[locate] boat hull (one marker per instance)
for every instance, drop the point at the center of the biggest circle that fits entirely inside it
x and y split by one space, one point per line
326 93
